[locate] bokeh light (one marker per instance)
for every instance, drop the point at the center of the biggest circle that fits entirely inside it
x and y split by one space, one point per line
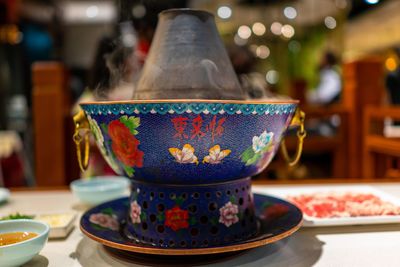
139 11
272 77
262 51
371 2
92 11
390 64
244 32
224 12
239 41
294 46
290 12
287 31
276 28
330 22
258 28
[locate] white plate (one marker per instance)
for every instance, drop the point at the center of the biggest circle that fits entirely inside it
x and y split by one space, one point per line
4 194
313 221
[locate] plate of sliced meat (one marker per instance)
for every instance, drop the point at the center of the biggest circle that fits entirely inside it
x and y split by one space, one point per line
341 205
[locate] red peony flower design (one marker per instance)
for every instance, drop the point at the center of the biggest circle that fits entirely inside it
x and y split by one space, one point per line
176 218
125 144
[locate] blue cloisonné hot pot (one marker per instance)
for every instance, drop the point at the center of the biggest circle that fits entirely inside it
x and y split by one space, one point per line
188 161
188 141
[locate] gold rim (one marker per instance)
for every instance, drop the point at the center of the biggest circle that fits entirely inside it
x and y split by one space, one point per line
195 251
289 101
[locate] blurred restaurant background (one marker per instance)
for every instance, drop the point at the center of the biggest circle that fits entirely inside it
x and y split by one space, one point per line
338 57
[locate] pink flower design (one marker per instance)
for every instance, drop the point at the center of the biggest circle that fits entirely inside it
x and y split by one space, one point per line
228 214
104 220
135 212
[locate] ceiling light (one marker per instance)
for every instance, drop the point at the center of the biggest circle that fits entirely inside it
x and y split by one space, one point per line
92 11
371 2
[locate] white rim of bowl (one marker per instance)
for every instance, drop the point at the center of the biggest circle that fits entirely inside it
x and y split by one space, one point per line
117 182
45 232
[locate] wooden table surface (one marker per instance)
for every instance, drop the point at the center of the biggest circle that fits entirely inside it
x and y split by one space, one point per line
374 245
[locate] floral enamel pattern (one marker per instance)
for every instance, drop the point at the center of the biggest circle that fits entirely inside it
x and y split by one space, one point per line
229 214
98 136
105 220
196 108
186 211
124 144
94 127
216 155
176 218
261 147
262 141
136 211
186 155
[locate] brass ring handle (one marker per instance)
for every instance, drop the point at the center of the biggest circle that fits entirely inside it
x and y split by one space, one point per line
298 119
82 125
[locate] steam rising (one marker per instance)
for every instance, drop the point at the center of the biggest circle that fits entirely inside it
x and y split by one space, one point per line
212 73
117 66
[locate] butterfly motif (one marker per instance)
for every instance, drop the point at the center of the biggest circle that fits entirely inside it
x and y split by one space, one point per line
186 155
216 155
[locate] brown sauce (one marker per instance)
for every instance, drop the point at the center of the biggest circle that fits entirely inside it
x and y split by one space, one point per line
15 237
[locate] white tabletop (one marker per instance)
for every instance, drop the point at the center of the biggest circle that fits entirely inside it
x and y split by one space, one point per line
374 245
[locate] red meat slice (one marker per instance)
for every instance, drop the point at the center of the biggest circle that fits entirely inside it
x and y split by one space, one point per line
349 204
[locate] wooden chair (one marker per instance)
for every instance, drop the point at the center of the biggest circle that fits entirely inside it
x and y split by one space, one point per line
362 85
55 161
379 151
336 144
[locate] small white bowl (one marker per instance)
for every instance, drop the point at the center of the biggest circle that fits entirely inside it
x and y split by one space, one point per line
22 252
100 189
4 195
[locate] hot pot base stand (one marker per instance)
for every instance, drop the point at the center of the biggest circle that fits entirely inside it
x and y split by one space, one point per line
191 216
205 219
